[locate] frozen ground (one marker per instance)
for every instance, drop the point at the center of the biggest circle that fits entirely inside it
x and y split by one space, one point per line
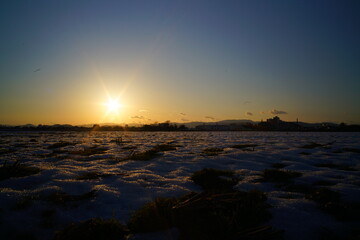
122 186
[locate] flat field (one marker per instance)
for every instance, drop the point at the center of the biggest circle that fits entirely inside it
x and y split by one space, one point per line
49 180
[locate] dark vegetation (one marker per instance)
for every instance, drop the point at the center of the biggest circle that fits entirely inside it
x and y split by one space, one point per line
217 213
335 166
91 176
165 126
326 199
164 147
151 153
63 198
94 229
129 147
311 145
296 187
324 183
48 213
213 179
89 151
206 215
278 165
21 145
24 236
323 196
278 175
274 124
6 151
61 144
245 147
284 180
24 202
353 150
143 156
344 150
153 216
58 198
212 151
331 202
118 141
48 218
316 145
16 170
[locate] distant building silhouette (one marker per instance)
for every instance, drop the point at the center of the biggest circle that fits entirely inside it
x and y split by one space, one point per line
277 124
212 127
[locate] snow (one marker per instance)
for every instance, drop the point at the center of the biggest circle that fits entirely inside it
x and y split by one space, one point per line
125 186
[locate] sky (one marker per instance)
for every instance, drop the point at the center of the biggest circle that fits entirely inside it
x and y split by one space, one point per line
62 62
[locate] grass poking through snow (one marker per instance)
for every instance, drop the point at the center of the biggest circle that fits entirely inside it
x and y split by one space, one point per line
63 198
16 170
153 216
245 147
164 147
207 215
61 144
94 229
212 151
353 150
316 145
214 215
277 175
143 156
331 202
151 153
336 166
89 151
278 165
91 176
214 179
6 151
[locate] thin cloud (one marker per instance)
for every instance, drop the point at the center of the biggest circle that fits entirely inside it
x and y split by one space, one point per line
277 112
209 117
185 120
247 102
263 112
248 114
137 117
183 114
143 110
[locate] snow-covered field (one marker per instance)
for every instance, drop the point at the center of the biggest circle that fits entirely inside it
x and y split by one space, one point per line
123 186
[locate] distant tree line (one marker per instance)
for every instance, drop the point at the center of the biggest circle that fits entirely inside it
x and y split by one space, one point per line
274 124
166 126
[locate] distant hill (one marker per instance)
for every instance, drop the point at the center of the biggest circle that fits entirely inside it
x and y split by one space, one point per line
223 122
235 121
197 123
112 124
273 124
312 125
187 124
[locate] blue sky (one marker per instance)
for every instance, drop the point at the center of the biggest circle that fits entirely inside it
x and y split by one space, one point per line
224 59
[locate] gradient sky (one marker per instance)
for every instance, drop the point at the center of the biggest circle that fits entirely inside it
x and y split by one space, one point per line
179 60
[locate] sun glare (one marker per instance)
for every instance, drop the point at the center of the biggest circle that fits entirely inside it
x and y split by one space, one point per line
113 105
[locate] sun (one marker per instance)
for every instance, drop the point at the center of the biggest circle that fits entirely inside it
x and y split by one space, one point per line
113 105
